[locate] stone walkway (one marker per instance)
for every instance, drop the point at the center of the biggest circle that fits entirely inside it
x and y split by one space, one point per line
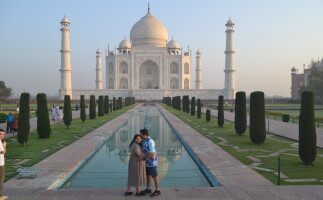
287 130
238 181
33 123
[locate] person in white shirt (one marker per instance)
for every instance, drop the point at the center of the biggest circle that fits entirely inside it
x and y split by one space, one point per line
3 145
53 113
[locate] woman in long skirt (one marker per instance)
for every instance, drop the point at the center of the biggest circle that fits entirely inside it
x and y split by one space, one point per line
137 167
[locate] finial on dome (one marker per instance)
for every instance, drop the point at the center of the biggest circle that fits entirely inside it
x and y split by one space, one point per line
148 7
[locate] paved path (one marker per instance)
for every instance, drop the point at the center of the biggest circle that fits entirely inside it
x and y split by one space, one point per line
234 186
33 123
287 130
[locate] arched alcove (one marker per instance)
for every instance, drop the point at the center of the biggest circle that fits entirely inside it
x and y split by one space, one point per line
174 83
186 83
123 68
149 75
111 68
186 69
123 83
174 68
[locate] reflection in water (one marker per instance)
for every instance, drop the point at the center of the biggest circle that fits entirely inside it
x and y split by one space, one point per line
109 167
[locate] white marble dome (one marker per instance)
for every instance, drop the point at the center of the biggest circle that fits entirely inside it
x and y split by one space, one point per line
173 44
65 20
149 31
124 44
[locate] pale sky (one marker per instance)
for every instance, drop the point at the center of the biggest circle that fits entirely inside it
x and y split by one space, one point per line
271 36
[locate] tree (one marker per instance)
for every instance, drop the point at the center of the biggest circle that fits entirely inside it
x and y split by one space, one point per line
257 130
220 112
67 111
101 106
82 105
307 131
193 106
5 92
315 82
23 122
120 102
114 105
106 104
208 115
92 107
43 123
240 111
199 109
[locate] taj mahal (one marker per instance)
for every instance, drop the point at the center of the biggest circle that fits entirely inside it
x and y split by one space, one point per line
150 66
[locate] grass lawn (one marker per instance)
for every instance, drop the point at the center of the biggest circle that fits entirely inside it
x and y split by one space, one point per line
268 153
59 138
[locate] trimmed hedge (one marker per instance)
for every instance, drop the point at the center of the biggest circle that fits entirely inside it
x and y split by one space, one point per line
240 111
120 103
220 112
23 122
208 115
106 104
92 107
193 106
67 111
257 130
43 123
307 131
101 106
285 117
82 105
199 108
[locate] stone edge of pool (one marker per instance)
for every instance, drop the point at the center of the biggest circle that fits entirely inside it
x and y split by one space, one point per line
57 166
224 167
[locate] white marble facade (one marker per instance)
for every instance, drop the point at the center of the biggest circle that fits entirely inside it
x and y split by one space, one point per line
149 66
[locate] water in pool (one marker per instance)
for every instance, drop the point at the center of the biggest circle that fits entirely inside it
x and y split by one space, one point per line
108 168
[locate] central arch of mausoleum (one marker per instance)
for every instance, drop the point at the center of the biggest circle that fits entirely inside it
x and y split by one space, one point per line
149 75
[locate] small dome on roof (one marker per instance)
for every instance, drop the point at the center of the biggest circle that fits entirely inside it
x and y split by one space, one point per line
198 52
173 44
229 23
124 44
98 51
65 20
293 69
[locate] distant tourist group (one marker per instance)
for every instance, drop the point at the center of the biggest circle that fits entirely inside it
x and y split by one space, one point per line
12 122
57 113
142 165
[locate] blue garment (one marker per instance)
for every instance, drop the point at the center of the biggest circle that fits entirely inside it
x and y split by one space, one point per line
148 146
10 118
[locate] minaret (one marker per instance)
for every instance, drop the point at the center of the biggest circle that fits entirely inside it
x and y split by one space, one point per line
230 81
66 69
198 80
98 70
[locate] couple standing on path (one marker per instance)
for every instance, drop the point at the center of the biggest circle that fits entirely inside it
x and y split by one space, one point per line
143 164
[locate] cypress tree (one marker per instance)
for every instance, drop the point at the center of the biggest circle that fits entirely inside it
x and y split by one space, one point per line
92 107
240 111
208 115
23 122
187 105
257 130
106 104
67 111
114 105
101 106
193 106
307 131
82 105
220 112
120 102
43 123
199 109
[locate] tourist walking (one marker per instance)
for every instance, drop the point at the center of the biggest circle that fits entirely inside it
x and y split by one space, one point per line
3 146
136 167
10 120
53 113
148 147
60 114
15 123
